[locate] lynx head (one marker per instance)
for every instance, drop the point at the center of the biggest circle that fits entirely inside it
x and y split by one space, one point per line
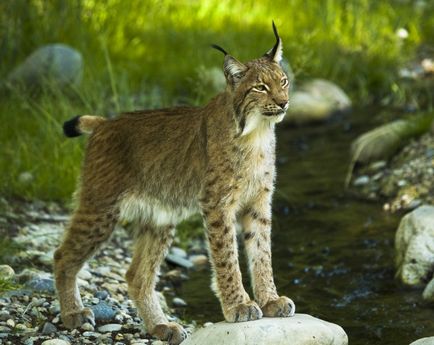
259 87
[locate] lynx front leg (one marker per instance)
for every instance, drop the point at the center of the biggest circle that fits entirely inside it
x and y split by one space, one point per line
235 301
151 247
257 240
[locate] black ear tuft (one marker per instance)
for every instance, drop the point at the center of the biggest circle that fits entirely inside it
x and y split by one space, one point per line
275 53
70 127
215 46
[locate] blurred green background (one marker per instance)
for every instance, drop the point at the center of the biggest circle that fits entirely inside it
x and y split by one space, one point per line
146 54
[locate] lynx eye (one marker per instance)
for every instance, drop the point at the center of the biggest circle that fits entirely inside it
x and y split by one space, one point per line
284 82
260 88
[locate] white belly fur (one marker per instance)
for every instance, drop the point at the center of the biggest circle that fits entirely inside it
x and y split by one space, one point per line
147 210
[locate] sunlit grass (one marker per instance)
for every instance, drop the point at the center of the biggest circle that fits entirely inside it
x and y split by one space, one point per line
148 53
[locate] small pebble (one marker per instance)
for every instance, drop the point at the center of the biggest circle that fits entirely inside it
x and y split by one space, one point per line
361 181
4 315
199 260
102 295
21 327
179 302
49 328
111 327
103 312
87 327
84 274
91 334
178 252
119 336
4 329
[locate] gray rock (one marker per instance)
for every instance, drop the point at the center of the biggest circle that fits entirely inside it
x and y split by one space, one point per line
414 245
316 100
103 312
4 315
301 329
57 63
20 327
30 274
424 341
30 340
87 327
378 165
428 293
179 261
111 327
179 302
25 178
92 335
41 285
4 329
199 260
6 272
54 307
361 181
101 295
84 274
46 259
179 252
49 328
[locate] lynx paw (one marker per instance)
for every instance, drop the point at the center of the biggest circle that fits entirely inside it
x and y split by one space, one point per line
243 312
281 307
171 332
77 318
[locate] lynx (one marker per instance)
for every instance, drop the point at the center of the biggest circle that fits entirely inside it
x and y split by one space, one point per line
154 168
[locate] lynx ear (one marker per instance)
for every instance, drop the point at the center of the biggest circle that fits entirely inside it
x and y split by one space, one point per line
233 69
275 53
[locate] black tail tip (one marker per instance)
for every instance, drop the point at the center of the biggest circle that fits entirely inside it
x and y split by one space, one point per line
70 127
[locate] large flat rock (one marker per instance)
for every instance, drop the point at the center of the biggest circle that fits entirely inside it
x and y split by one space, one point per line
424 341
301 329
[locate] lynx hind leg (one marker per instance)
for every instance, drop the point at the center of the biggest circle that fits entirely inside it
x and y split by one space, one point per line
85 234
151 246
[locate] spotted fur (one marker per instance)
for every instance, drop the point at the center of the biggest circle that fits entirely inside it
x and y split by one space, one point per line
156 167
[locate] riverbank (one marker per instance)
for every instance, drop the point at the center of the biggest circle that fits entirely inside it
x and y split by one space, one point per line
29 309
403 183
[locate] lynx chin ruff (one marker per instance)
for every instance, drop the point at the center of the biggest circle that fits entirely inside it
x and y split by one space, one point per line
156 167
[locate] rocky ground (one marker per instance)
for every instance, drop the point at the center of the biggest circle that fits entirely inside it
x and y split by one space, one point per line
406 181
29 310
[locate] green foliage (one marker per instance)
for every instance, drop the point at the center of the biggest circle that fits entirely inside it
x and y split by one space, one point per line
148 53
7 285
351 42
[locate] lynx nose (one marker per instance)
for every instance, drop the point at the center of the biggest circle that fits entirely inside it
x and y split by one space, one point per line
283 105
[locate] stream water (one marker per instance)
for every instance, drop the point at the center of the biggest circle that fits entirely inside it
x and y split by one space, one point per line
332 253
